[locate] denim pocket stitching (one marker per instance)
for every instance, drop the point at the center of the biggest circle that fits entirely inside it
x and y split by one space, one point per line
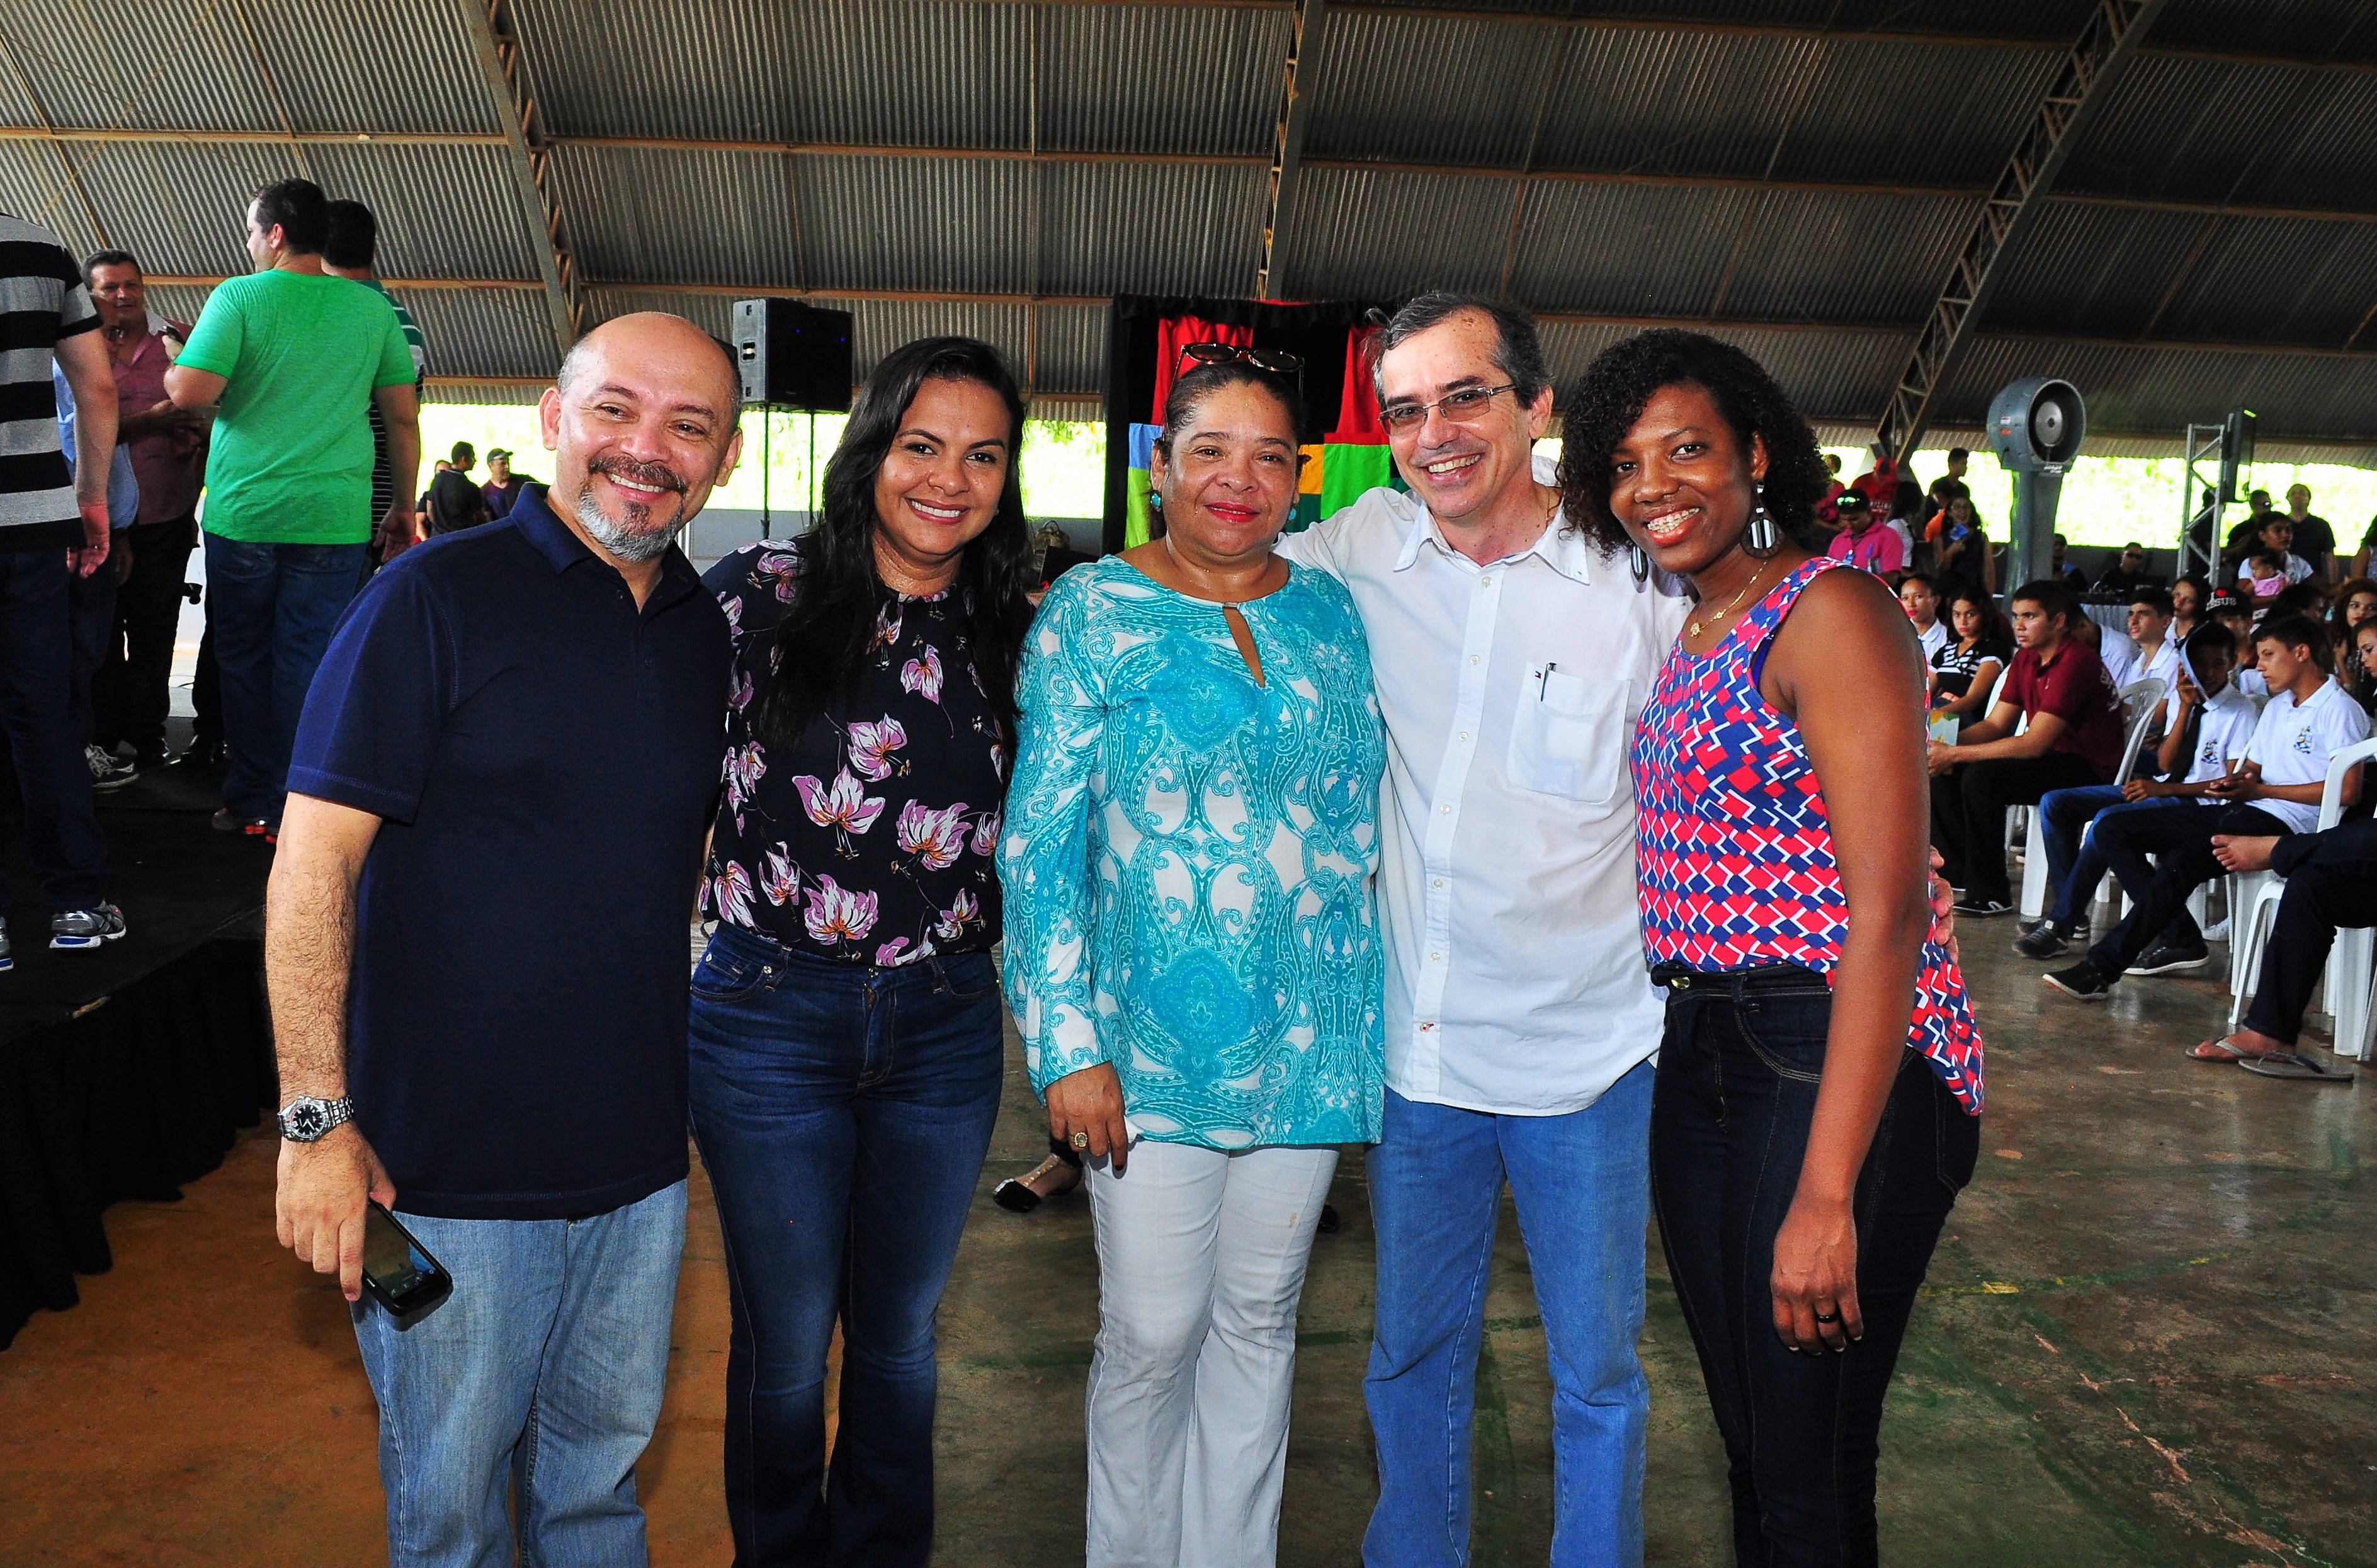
967 998
1758 1048
746 979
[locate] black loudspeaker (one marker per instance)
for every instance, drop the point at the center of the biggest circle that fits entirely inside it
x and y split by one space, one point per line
793 355
2235 453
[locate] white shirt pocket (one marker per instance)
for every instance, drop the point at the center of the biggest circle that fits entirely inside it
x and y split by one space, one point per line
1568 737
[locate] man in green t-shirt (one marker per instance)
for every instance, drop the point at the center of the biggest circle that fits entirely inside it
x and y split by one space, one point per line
289 358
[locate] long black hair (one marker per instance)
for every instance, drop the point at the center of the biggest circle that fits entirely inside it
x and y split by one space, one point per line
823 642
1622 381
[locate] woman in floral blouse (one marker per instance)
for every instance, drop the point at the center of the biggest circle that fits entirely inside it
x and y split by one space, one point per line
846 1047
1193 959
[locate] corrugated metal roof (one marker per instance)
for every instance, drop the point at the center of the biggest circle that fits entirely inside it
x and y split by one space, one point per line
1735 151
2162 389
114 63
2209 130
1355 235
482 331
1157 79
1108 228
633 203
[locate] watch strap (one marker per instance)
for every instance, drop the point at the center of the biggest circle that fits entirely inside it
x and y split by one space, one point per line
308 1118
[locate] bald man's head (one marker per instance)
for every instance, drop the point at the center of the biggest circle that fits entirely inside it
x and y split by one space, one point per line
642 422
646 334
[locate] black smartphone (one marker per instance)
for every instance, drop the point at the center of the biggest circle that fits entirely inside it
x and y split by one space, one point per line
398 1271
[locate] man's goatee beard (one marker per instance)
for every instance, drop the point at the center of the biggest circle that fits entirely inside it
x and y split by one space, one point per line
628 544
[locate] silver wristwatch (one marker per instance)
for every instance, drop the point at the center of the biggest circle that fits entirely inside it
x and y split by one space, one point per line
306 1119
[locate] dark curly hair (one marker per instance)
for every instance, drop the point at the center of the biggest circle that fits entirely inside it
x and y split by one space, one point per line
1621 382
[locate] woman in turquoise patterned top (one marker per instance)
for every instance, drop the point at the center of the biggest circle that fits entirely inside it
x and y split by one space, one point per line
1193 958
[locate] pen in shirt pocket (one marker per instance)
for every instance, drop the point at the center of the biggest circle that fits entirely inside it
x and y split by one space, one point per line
1545 679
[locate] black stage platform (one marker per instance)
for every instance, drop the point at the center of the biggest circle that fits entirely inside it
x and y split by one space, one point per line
124 1072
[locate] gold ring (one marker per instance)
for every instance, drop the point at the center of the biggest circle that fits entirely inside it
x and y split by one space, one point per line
1079 1140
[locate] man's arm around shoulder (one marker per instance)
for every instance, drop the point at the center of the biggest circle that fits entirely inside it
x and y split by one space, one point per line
309 942
1328 546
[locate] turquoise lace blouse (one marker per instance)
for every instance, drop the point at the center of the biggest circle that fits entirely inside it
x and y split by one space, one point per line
1188 858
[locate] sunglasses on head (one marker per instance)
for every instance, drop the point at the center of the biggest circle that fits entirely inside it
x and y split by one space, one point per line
1275 362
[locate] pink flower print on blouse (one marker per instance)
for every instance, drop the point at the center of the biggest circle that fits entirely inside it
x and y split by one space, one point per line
986 833
743 766
889 620
922 676
838 914
890 956
871 747
730 894
740 698
733 606
784 568
778 879
935 838
845 806
963 911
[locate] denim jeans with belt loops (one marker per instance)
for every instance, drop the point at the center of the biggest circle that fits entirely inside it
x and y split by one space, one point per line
1739 1067
843 1111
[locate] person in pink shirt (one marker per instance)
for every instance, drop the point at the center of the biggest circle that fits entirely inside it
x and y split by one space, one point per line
168 444
1865 539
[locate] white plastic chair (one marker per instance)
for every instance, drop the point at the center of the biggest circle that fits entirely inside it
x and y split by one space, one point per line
2253 895
2140 698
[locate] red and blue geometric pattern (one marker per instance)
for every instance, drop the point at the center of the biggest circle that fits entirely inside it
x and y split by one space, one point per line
1734 846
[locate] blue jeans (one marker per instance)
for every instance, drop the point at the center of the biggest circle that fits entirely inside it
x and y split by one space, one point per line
540 1376
843 1113
1582 1184
63 840
2064 819
1739 1070
271 609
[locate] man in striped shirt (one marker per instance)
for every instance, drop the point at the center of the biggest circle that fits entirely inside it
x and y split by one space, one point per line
352 251
52 520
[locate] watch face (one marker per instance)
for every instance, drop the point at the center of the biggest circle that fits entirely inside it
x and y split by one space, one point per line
307 1120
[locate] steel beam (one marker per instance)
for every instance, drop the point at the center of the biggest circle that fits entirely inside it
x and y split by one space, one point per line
69 134
2078 90
502 71
1628 322
1295 115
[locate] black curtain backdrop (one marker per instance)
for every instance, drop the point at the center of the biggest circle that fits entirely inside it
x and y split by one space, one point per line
1317 331
129 1097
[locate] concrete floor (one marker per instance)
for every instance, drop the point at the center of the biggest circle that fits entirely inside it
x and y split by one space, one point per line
2149 1340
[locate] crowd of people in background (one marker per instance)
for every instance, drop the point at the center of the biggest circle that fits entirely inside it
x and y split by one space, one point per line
2258 680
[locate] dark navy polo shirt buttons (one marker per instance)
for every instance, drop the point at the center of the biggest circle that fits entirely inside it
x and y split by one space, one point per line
517 1037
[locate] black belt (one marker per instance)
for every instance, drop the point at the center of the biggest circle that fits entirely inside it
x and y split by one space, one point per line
1683 982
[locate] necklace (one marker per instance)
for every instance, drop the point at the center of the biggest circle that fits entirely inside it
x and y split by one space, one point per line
1695 626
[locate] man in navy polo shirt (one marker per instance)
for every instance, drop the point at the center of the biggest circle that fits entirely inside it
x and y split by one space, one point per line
476 928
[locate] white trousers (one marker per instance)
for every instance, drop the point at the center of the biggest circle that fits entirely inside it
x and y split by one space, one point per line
1201 1260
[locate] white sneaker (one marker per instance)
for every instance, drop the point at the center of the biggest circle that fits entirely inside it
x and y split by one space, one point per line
106 773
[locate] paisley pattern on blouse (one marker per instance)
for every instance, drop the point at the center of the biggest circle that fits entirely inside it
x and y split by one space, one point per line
1188 856
872 841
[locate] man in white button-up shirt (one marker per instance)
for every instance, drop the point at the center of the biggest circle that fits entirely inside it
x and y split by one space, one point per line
1511 663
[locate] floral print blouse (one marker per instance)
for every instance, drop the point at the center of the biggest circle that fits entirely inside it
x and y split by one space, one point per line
871 841
1189 858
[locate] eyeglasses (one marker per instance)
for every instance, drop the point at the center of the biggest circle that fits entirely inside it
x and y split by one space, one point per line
1276 362
1459 407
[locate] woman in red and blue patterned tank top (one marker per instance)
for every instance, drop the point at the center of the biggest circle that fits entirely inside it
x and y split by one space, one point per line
1820 1079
